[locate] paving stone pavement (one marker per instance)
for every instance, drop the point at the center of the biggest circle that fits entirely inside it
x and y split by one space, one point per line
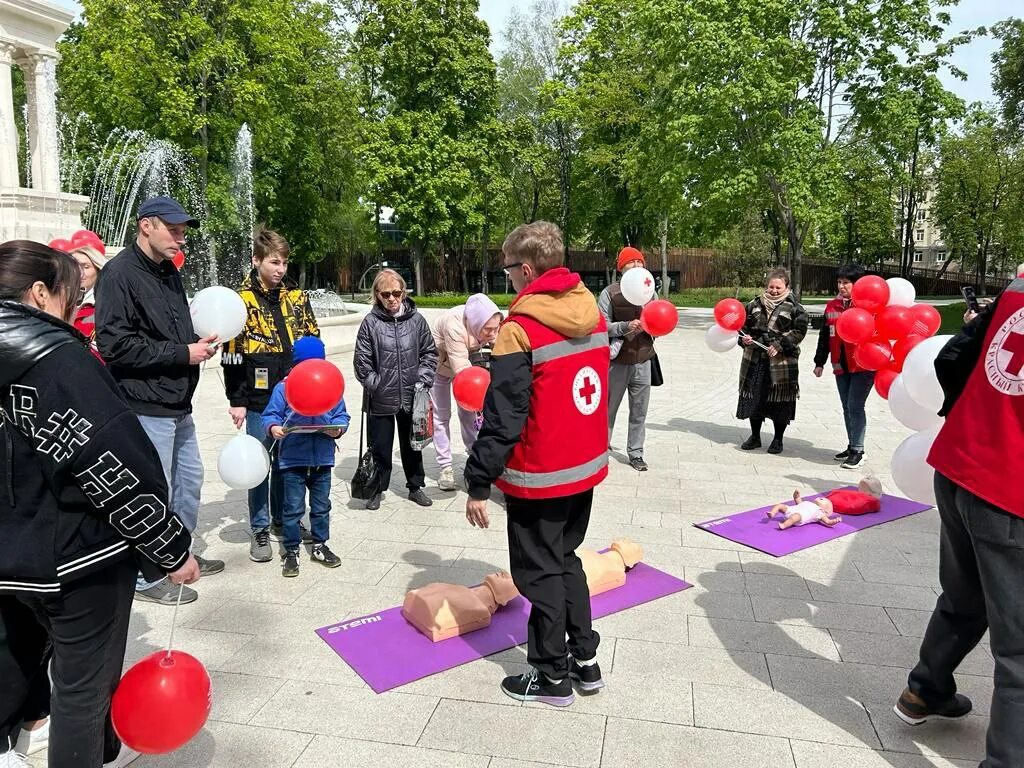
774 663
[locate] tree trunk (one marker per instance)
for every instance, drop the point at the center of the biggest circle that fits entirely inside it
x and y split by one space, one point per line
302 275
376 220
564 180
663 232
485 257
911 209
942 271
417 266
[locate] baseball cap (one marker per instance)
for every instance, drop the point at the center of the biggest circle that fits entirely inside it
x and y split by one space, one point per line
167 209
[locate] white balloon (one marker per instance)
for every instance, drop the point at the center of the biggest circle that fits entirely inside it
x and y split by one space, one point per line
218 311
720 340
907 411
910 469
919 373
637 286
901 292
243 463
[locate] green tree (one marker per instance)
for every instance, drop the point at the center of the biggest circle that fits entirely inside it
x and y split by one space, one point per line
428 93
193 71
1008 73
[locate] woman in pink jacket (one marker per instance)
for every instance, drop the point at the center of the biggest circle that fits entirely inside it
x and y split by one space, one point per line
458 333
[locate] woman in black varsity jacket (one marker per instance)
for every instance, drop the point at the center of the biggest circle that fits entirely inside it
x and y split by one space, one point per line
83 507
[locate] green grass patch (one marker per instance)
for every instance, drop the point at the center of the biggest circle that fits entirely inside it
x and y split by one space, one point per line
952 317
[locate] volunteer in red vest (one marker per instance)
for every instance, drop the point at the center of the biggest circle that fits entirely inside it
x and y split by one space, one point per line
854 382
977 461
544 444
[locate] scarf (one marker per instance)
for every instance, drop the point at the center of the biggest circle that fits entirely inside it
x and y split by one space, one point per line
771 304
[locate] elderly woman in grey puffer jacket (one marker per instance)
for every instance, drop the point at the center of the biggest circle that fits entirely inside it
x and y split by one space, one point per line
395 355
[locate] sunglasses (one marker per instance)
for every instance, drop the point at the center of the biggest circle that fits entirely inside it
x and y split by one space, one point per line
508 267
392 294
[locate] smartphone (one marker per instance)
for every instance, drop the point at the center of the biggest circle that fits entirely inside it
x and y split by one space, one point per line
970 298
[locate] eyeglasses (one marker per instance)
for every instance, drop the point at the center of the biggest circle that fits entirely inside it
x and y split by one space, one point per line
392 294
507 267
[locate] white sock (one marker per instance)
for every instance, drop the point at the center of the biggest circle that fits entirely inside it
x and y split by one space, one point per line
553 681
589 663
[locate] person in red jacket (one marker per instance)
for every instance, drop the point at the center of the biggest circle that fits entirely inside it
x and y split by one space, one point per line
549 380
977 461
854 382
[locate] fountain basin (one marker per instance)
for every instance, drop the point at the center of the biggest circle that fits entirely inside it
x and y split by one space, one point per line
32 214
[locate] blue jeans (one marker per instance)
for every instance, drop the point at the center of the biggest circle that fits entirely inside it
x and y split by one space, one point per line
267 498
174 438
854 389
295 481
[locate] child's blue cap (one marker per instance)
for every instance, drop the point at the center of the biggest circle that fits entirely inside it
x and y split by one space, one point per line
308 348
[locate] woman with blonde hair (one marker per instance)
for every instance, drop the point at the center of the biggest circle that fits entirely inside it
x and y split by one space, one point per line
395 356
91 262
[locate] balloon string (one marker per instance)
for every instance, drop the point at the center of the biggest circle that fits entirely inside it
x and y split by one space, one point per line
174 619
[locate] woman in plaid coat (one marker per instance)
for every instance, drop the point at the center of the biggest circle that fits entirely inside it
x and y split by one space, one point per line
769 374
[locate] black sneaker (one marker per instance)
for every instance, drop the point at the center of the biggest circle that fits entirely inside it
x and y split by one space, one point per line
532 686
842 455
751 443
324 555
912 709
420 498
775 446
854 460
277 533
291 564
638 464
587 675
374 502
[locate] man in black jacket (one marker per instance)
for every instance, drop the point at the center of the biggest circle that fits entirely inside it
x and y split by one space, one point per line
145 335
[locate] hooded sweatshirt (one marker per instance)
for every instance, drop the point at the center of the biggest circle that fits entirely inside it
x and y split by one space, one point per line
457 333
80 483
559 303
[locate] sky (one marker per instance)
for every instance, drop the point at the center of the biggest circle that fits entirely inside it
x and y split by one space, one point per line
974 59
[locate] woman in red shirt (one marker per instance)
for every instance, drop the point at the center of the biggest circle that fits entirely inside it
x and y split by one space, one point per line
90 261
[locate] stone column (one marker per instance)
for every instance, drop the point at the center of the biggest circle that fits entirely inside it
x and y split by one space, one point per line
8 129
41 87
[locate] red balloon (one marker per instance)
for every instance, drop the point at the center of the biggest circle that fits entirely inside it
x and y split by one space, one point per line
660 317
883 381
60 244
314 387
470 387
873 355
926 320
179 260
730 314
87 237
894 322
855 325
902 348
871 293
161 702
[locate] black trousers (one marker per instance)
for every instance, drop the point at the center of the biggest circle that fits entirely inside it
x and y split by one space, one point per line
543 536
24 657
381 440
981 570
87 624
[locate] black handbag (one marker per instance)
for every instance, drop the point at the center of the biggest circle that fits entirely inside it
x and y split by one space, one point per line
656 377
366 478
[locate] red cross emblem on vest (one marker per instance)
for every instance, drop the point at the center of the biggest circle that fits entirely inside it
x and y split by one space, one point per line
586 390
1004 360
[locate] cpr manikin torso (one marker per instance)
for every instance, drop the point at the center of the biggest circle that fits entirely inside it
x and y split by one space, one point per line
441 611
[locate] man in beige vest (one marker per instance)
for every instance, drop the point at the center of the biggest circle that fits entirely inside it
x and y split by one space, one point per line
631 351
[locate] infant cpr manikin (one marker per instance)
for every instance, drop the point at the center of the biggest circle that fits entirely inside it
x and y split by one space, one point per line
442 611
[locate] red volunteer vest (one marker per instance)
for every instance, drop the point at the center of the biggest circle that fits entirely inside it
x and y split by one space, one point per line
981 444
832 312
563 449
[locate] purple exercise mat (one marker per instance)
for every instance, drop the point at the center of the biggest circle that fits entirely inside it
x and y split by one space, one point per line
755 530
387 651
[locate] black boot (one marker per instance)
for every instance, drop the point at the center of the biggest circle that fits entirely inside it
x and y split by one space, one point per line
775 446
752 442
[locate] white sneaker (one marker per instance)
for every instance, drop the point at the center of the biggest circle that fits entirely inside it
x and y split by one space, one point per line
446 482
12 759
125 756
30 742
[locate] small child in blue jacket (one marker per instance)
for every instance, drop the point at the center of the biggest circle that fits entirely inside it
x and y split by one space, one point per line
305 462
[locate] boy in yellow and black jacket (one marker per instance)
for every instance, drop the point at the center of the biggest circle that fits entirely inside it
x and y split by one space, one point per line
278 313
